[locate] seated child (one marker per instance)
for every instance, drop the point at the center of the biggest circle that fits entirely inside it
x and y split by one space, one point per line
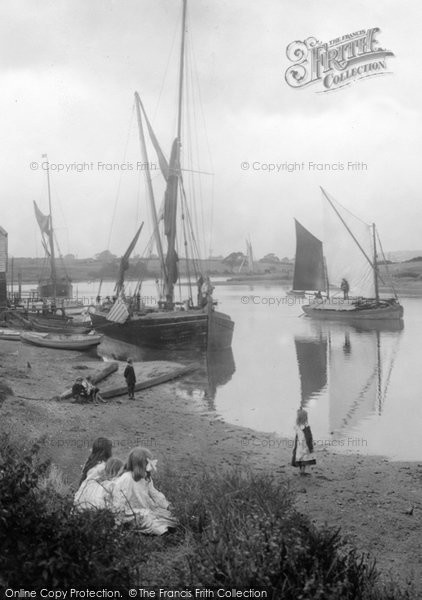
135 498
79 391
96 491
95 465
92 392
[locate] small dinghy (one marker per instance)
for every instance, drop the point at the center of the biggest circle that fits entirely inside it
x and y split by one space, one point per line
61 341
10 334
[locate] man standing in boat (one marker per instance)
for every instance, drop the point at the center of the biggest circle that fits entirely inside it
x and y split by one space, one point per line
345 288
206 292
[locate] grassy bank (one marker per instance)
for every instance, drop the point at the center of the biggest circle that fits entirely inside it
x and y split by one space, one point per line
236 529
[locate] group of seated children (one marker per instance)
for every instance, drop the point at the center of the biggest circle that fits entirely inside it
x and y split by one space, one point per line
83 391
124 488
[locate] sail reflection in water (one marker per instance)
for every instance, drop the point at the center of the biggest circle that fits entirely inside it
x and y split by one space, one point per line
351 365
312 360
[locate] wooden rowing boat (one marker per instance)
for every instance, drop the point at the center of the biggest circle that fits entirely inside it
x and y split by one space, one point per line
10 334
61 341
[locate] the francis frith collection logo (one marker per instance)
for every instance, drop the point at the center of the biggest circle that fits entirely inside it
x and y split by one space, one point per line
337 63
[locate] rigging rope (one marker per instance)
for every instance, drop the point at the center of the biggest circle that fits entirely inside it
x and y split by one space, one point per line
386 267
120 177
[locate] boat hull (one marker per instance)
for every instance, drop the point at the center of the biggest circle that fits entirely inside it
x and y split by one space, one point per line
61 342
296 293
10 334
176 328
62 289
329 312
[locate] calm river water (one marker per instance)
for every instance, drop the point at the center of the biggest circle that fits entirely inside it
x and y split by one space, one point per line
361 387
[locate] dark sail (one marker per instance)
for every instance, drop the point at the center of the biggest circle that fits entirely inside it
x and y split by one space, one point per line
312 361
309 273
170 210
124 261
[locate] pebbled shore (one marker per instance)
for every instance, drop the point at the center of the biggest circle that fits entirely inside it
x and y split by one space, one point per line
377 503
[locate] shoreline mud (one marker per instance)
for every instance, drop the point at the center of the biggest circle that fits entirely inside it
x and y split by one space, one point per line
377 503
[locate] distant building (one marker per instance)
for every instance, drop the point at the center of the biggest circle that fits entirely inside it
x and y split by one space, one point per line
3 268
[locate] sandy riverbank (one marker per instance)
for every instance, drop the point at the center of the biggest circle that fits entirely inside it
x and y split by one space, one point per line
369 498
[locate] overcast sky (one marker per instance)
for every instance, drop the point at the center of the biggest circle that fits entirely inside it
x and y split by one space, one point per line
68 73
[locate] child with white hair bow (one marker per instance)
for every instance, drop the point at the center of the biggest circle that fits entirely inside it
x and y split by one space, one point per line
136 499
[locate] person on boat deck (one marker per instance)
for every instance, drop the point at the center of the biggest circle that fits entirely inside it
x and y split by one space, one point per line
135 499
129 375
96 491
95 464
206 292
303 449
344 286
199 283
318 295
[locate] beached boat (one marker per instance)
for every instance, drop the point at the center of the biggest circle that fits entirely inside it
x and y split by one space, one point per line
61 341
10 334
351 254
189 320
115 384
54 324
309 273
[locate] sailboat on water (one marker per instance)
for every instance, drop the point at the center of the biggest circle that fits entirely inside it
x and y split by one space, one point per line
195 319
248 259
351 253
309 273
53 286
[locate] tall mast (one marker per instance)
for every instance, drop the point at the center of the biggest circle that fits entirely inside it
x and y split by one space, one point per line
327 282
181 73
149 186
51 235
174 181
375 263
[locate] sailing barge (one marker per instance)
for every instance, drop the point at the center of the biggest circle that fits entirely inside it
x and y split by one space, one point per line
195 319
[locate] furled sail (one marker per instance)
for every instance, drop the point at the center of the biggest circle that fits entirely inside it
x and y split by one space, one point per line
348 249
124 261
309 273
170 211
312 361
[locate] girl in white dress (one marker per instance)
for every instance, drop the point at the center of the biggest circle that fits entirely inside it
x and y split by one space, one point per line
135 498
303 450
96 489
100 453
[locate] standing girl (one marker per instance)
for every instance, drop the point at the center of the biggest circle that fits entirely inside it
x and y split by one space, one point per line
303 450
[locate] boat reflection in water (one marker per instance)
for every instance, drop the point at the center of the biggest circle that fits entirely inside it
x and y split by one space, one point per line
352 365
211 370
